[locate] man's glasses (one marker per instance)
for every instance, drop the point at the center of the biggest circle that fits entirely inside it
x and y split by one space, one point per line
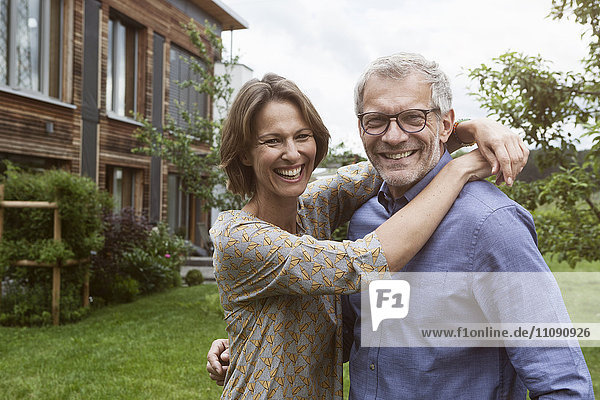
410 121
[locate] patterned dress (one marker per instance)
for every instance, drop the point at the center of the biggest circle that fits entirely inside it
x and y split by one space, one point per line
280 292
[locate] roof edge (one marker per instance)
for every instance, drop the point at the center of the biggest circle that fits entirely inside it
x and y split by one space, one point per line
228 18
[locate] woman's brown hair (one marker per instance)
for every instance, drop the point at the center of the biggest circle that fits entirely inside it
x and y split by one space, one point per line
239 134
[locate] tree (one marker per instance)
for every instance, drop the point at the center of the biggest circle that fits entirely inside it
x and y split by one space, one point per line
339 155
550 107
194 146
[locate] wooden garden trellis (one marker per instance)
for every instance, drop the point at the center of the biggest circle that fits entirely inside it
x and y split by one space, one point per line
56 267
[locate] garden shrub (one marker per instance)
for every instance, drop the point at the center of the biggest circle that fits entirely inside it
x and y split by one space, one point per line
123 231
28 235
157 264
194 277
134 250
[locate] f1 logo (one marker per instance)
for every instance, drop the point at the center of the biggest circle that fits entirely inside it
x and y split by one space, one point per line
389 299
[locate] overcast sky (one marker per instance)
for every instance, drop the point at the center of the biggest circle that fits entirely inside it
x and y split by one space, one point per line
323 45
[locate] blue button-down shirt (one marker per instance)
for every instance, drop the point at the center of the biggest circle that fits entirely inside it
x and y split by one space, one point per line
483 231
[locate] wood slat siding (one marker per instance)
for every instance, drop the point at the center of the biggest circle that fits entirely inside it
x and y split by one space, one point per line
23 128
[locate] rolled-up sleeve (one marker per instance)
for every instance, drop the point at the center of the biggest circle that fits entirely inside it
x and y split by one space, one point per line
255 259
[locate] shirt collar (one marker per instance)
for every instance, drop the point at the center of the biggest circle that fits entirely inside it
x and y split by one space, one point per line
392 205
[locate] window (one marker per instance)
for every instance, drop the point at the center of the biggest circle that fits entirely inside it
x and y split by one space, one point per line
30 45
188 99
32 163
178 204
125 186
121 79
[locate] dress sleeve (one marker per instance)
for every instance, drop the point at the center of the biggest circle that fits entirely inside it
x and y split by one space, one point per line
335 199
255 259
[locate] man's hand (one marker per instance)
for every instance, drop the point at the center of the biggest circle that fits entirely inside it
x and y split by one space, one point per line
217 360
502 148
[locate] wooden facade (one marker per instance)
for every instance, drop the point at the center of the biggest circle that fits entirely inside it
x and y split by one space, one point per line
77 123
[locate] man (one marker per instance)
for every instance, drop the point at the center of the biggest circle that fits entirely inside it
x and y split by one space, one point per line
484 231
405 118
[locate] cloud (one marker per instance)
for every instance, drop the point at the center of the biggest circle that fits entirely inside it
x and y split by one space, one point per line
323 45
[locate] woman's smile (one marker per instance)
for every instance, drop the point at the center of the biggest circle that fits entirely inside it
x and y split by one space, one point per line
290 173
283 157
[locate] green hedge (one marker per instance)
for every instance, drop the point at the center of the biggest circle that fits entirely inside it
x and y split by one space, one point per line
129 255
28 234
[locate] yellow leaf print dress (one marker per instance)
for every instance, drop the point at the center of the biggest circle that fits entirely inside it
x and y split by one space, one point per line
280 292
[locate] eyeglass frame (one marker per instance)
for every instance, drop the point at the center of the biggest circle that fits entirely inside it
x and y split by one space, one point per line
395 116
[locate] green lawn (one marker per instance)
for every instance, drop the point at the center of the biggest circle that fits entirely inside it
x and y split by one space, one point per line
591 354
154 348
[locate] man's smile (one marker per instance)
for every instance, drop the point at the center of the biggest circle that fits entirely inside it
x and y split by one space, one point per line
398 156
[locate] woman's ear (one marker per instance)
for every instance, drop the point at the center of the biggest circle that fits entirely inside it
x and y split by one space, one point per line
246 159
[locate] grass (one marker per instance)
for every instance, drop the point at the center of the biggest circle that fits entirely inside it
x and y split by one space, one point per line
591 354
154 348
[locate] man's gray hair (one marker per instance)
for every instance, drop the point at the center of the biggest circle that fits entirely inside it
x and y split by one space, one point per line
399 66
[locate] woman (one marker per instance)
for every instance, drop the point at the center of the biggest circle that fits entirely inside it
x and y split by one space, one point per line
279 277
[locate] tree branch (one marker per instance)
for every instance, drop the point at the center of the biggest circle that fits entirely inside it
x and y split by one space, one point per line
584 92
578 91
593 207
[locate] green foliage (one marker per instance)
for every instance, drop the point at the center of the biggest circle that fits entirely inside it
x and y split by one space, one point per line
194 277
28 235
586 13
124 289
79 202
156 264
136 259
549 107
194 147
339 155
340 233
123 232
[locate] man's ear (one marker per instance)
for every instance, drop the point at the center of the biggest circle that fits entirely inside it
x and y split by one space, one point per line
447 126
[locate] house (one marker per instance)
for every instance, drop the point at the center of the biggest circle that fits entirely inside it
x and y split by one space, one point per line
72 72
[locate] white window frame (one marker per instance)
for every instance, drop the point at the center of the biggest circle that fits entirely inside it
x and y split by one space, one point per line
118 186
114 104
43 42
178 205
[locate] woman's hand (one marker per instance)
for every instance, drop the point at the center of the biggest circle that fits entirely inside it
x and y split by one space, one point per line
473 166
503 149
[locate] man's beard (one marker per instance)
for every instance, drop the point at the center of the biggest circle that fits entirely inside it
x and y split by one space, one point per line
406 178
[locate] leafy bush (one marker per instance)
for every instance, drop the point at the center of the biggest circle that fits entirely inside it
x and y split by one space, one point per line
123 232
124 289
194 277
166 253
134 250
28 235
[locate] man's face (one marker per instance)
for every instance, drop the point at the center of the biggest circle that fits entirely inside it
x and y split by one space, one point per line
403 158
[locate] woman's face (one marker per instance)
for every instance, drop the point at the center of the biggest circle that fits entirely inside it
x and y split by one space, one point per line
283 155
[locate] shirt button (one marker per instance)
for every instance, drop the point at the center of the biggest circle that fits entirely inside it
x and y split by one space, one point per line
372 366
